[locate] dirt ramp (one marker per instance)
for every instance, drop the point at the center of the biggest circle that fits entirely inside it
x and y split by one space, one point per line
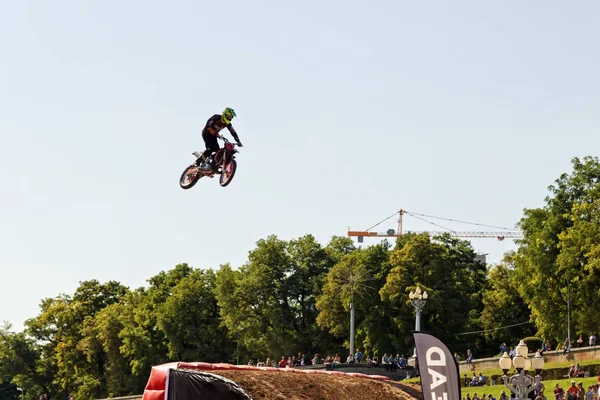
292 386
200 380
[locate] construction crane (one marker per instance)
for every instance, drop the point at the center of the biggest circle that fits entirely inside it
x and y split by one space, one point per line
506 233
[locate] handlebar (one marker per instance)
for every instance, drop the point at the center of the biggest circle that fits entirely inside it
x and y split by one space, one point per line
223 138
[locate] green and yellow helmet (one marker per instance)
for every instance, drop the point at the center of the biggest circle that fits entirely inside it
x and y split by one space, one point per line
228 115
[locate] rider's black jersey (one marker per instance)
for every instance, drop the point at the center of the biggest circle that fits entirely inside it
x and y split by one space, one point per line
215 124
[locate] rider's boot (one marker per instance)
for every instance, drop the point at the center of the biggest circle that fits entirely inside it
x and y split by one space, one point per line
200 158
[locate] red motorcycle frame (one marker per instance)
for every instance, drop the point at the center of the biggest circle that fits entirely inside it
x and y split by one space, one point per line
226 164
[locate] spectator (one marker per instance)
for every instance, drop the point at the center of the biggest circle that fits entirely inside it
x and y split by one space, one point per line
358 356
481 380
540 396
375 361
542 349
572 391
456 357
393 363
580 391
469 356
473 380
559 393
589 395
386 362
403 362
567 346
578 370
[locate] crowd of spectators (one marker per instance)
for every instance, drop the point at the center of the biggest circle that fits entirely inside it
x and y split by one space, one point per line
390 361
575 391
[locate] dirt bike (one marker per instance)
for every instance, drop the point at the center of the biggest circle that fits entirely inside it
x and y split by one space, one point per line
223 159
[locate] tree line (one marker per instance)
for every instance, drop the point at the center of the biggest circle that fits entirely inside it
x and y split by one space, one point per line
294 296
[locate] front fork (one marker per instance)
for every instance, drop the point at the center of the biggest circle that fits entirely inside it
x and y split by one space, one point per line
225 159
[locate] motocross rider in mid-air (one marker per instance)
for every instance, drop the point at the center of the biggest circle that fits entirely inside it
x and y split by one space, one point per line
210 132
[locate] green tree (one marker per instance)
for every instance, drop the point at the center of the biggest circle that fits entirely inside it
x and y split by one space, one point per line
269 304
191 323
338 247
349 281
143 343
102 335
446 268
254 302
59 328
20 363
502 304
356 278
310 264
579 249
552 273
232 309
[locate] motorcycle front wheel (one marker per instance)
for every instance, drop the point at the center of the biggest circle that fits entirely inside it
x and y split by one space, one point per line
228 173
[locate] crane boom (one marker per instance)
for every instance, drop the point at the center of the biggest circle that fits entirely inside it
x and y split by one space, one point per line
512 234
471 234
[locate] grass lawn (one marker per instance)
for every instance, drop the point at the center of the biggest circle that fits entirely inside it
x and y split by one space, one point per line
548 387
495 390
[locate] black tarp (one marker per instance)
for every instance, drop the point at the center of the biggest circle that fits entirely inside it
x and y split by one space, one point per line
192 385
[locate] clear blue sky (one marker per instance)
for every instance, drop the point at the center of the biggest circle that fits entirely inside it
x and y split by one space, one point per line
348 110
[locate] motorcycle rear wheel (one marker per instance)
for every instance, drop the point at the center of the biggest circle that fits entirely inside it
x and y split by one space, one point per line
228 173
186 175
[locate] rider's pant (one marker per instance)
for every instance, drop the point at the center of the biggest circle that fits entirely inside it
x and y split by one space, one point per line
211 144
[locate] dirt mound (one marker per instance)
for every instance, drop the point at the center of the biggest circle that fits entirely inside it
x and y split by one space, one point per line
288 386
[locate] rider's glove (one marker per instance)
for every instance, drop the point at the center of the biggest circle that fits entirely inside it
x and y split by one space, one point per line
239 143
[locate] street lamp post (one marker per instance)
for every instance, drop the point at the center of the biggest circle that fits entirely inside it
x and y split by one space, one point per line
522 384
418 300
